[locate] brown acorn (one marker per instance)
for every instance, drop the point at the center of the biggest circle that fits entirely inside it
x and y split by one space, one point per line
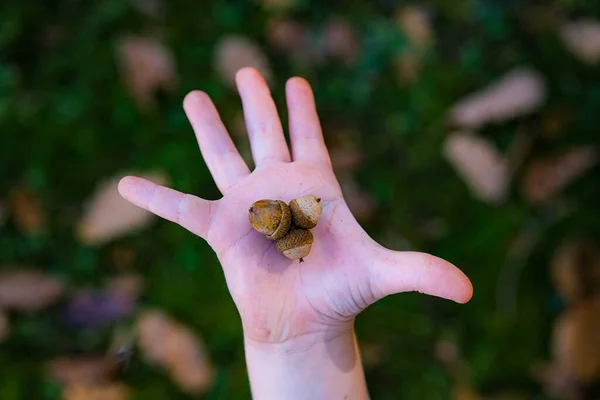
306 211
271 218
296 244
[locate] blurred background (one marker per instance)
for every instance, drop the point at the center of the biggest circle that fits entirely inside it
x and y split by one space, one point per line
464 128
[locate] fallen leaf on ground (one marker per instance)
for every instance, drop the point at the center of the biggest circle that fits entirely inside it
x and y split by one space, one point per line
174 347
80 370
557 381
408 66
295 40
547 176
108 216
479 164
346 158
286 34
27 211
146 66
518 92
109 391
128 286
575 269
233 53
95 308
341 40
4 325
447 352
414 22
576 344
28 290
582 38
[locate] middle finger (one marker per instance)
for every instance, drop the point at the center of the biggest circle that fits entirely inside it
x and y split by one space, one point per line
262 121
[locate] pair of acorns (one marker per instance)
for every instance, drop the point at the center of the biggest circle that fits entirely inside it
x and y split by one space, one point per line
289 225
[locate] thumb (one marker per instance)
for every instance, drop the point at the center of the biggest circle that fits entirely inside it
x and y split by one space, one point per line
398 272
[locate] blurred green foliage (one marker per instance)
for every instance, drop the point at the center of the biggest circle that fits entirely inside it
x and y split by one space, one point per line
67 122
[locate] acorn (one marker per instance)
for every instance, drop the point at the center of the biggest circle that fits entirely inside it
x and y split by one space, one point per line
306 211
296 244
271 218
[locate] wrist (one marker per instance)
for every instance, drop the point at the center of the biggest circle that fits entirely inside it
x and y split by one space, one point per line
300 343
322 365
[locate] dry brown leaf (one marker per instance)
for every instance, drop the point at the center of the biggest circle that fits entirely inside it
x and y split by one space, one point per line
175 348
480 165
110 391
520 91
28 290
545 177
557 382
81 370
414 22
286 35
447 352
359 202
576 269
340 40
236 52
146 66
27 211
295 40
408 66
576 341
582 38
128 286
345 158
108 216
4 326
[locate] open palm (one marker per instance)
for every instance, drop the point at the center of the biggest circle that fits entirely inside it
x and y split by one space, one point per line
346 271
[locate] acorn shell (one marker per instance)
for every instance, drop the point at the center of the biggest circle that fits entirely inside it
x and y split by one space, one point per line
306 211
270 217
296 244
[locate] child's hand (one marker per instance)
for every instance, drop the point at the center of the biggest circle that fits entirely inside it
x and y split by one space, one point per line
280 300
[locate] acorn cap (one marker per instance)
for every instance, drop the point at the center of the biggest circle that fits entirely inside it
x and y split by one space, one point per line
284 223
306 211
296 244
270 217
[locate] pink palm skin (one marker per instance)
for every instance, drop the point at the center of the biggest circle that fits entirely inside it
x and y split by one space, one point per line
282 301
